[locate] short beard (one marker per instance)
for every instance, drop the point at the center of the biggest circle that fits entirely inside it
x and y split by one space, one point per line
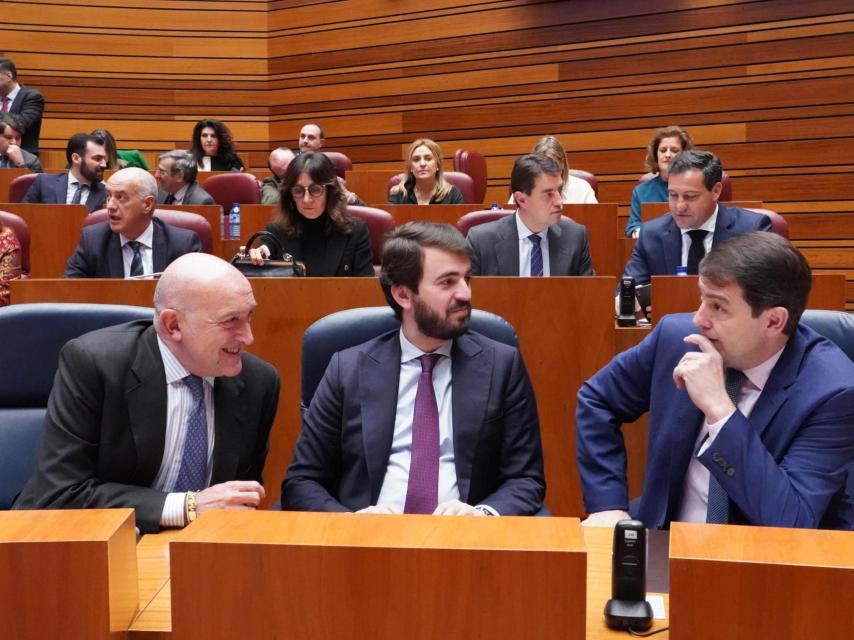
433 325
90 175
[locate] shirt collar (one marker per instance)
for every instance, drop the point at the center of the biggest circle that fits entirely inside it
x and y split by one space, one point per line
759 374
175 371
708 225
524 231
146 238
409 351
180 193
14 93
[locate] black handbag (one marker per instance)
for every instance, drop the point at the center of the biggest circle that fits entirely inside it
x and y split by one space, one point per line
287 267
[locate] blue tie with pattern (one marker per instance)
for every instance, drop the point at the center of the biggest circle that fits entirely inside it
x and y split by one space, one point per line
536 256
193 475
717 511
136 261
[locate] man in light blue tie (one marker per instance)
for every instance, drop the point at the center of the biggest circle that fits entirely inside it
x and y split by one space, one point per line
537 241
170 417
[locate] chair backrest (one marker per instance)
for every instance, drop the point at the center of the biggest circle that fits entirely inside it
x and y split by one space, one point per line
461 181
22 232
341 161
473 164
726 185
588 177
352 327
34 335
778 222
19 186
838 327
379 223
183 219
474 218
228 188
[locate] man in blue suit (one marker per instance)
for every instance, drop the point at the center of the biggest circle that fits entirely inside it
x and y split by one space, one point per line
751 414
431 418
695 224
131 242
87 158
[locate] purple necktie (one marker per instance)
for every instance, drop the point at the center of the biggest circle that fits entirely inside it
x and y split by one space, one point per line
422 492
5 104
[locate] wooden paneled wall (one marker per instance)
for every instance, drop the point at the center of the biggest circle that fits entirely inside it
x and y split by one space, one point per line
768 85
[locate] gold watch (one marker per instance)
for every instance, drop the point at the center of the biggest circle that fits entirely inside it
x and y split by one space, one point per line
190 506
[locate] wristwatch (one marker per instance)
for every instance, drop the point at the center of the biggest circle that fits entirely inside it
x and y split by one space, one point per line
190 506
484 510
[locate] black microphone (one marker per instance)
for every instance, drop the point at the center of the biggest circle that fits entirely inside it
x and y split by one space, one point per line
626 317
628 608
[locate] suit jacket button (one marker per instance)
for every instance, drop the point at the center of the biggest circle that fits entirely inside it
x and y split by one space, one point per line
730 471
716 457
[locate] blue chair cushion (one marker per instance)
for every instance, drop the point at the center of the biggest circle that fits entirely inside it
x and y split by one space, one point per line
20 434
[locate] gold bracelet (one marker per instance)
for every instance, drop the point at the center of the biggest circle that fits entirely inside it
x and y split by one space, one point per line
190 506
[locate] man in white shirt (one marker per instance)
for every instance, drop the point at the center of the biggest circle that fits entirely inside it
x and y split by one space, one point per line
751 413
432 418
170 418
536 241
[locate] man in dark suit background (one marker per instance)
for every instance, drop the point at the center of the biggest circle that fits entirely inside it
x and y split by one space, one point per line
87 158
11 153
131 242
537 241
176 172
170 418
431 418
751 413
22 101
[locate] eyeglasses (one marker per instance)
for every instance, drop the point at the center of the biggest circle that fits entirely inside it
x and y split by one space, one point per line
315 190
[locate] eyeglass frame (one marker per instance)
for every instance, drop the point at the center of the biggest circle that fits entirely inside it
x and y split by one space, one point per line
298 191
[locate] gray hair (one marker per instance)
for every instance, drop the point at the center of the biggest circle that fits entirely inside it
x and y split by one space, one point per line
183 161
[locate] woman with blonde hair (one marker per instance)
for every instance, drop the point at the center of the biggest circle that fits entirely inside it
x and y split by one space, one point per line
424 182
665 144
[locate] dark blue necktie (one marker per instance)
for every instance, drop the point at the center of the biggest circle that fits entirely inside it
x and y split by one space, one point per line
78 195
696 251
193 474
422 491
536 256
718 509
136 261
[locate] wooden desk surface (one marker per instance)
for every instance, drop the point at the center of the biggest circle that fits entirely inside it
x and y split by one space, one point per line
154 619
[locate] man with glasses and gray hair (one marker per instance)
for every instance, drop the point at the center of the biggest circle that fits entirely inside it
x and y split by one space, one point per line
176 172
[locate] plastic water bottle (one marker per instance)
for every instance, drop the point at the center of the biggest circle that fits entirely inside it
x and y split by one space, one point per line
234 222
682 270
495 207
223 225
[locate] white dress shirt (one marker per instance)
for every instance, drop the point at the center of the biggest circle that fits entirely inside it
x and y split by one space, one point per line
708 225
526 247
179 194
72 189
396 480
695 497
179 403
146 251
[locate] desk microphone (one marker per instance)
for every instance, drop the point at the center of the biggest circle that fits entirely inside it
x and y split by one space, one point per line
628 608
626 317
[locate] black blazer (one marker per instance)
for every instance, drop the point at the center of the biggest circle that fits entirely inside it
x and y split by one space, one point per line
347 254
99 252
29 104
105 429
52 188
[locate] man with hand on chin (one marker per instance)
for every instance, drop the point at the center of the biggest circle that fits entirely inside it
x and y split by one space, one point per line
751 413
170 417
432 418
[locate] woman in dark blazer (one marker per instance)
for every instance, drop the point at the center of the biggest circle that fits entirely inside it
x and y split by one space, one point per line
423 181
213 147
314 225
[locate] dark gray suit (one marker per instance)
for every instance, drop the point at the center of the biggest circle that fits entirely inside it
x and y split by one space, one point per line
52 188
495 248
29 105
342 453
99 252
31 162
105 429
194 195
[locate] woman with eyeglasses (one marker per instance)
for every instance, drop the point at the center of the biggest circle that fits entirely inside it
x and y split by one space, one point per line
423 181
313 224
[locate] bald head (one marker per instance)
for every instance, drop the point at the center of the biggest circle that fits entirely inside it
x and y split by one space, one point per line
202 308
279 160
145 183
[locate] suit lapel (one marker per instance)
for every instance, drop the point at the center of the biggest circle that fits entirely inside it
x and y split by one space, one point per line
672 246
471 375
774 394
146 402
379 378
507 247
558 255
61 187
115 263
228 423
723 225
158 248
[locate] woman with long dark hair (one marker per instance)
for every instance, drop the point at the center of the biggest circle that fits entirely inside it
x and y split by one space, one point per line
213 147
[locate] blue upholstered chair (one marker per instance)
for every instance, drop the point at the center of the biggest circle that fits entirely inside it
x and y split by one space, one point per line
33 335
351 327
838 327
